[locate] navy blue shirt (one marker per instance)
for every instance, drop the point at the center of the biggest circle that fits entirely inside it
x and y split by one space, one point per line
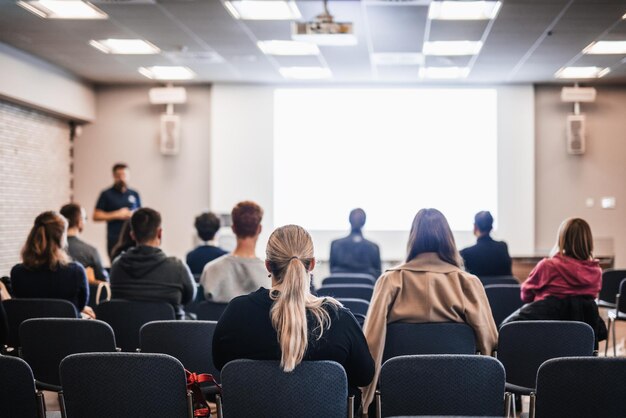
111 200
202 254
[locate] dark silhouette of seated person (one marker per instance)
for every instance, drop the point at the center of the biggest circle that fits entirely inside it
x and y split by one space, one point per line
487 257
354 253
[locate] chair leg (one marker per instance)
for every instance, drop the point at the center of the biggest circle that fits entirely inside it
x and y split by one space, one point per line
218 401
507 404
608 339
189 404
41 404
533 399
62 405
379 412
614 339
513 404
351 407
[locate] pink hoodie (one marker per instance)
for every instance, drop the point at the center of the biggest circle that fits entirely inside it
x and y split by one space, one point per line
562 276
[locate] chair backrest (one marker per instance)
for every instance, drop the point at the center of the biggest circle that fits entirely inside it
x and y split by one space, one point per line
582 387
104 385
429 338
255 388
356 291
504 299
523 346
467 385
127 317
488 280
210 311
19 310
191 342
611 280
18 398
349 278
356 306
47 341
621 303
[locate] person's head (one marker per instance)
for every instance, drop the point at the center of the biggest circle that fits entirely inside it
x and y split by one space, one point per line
124 242
121 176
483 223
45 242
207 224
430 233
75 215
290 259
574 239
247 217
357 219
145 225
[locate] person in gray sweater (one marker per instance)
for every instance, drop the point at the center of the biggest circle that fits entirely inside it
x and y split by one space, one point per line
145 273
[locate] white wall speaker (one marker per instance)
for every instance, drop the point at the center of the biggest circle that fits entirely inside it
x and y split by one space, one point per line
576 134
170 134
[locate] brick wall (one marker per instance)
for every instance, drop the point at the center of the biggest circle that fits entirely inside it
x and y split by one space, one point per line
34 174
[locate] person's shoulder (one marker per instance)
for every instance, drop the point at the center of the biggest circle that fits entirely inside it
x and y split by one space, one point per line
18 269
223 261
468 250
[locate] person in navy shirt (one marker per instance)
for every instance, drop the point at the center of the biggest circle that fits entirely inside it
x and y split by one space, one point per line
116 204
207 224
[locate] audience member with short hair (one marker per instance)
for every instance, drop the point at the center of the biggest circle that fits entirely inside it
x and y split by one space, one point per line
429 287
207 224
354 253
287 322
125 241
241 271
46 270
78 249
487 257
145 273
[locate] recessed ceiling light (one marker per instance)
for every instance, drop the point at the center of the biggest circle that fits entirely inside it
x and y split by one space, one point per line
336 39
463 10
288 48
305 73
606 47
63 9
397 58
444 72
124 46
448 48
582 72
160 72
263 9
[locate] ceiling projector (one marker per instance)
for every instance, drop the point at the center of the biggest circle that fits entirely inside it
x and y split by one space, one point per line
324 30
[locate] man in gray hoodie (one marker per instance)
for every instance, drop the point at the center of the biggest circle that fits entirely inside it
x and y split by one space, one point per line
145 273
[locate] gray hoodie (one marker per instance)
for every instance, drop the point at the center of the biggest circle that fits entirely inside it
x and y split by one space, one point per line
146 274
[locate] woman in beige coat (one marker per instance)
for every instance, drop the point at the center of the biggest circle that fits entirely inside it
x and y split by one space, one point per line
430 286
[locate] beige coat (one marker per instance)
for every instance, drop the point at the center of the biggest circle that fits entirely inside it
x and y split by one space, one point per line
426 289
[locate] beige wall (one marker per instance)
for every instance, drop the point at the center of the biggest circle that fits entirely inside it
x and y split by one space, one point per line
564 182
127 129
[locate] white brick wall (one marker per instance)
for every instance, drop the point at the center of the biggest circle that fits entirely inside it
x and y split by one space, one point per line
34 174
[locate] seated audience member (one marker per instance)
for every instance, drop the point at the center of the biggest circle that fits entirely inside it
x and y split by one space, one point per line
207 225
145 273
287 322
564 286
78 249
355 254
429 287
125 241
240 272
488 257
46 270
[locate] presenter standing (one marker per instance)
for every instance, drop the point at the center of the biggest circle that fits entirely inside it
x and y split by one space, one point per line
116 204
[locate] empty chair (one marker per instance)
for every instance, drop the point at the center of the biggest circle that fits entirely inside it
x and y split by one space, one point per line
349 278
255 388
105 385
489 280
579 387
210 311
617 314
429 338
356 291
47 341
611 280
467 385
19 310
18 397
356 306
127 317
504 299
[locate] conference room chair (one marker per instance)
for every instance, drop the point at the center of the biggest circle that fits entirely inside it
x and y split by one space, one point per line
504 299
19 310
99 292
210 311
441 385
127 317
355 291
47 341
489 280
349 278
356 306
429 338
524 346
18 396
259 388
581 387
611 280
105 385
193 306
616 314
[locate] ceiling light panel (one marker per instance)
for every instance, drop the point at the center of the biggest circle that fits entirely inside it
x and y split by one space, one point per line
288 48
63 9
452 48
444 72
606 48
305 73
263 9
582 72
167 73
463 10
125 46
397 58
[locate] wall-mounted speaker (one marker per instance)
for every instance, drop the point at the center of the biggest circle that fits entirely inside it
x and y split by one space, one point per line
170 134
576 134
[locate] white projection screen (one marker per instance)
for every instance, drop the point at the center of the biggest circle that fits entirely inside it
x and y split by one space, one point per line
388 151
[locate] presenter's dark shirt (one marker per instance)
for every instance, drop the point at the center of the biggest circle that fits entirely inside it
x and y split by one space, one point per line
487 258
111 200
201 255
355 254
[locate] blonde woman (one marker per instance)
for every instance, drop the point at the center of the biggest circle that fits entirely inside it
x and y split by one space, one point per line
287 322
